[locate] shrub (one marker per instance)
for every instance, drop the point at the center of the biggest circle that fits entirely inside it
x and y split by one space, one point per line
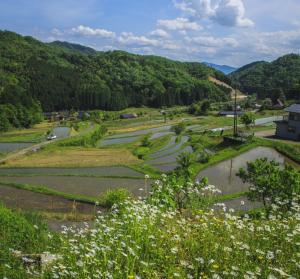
248 118
146 141
115 197
141 152
179 128
203 157
184 161
179 193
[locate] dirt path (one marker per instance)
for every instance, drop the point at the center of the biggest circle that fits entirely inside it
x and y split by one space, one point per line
240 95
25 151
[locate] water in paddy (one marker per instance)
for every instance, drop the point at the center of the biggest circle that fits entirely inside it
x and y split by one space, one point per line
27 200
160 134
94 171
88 186
171 149
223 175
134 136
168 162
61 132
113 141
6 147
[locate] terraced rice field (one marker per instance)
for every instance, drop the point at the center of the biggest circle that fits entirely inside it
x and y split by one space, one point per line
75 157
94 171
27 200
130 137
171 148
115 141
223 175
6 147
61 132
87 186
165 159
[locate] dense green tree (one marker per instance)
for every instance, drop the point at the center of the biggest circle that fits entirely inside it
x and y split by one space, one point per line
270 183
248 118
4 123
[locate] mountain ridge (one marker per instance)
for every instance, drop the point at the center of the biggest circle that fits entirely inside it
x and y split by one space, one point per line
277 79
222 68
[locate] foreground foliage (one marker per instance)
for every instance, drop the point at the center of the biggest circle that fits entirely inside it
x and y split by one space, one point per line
19 232
149 239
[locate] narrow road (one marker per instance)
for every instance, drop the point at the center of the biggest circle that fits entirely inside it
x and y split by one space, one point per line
25 151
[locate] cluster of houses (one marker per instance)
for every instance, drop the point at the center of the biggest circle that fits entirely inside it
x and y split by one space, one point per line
230 113
80 115
65 115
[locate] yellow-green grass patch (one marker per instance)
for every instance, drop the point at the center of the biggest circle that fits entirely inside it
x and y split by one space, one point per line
75 157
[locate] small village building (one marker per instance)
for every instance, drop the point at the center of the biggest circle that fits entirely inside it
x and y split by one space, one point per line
278 105
231 113
83 115
289 127
128 115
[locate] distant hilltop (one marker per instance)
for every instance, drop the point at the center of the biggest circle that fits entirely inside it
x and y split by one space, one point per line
222 68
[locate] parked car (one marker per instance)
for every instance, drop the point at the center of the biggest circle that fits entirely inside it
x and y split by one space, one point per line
51 137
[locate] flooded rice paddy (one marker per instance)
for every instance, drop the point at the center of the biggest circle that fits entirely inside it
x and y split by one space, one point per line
6 147
171 148
88 186
61 132
169 161
92 171
223 175
115 141
27 200
130 137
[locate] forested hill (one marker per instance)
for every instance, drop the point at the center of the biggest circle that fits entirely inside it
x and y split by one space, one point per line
64 76
280 78
73 47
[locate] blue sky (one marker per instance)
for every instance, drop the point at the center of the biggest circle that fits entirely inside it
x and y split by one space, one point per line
233 32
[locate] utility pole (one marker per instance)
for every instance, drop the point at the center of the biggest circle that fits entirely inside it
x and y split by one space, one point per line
235 121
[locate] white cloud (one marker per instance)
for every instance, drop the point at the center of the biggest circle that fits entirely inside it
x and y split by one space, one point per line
128 38
171 46
160 33
224 12
178 24
56 32
88 31
232 13
210 41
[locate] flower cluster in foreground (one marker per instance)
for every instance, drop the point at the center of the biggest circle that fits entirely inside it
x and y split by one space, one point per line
141 240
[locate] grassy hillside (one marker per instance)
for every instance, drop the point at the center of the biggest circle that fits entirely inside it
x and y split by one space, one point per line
19 232
280 78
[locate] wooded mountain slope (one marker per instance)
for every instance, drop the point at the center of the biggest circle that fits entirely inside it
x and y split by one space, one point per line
63 76
280 78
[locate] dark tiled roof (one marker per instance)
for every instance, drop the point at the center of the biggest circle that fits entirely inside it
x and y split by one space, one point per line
294 108
231 112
